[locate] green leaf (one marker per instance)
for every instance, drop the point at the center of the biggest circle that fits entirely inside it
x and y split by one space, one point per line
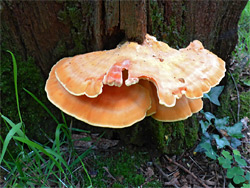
221 142
235 142
248 176
221 123
230 185
240 161
245 186
235 130
227 155
236 152
209 116
209 150
235 171
214 94
246 82
226 163
204 126
199 148
239 179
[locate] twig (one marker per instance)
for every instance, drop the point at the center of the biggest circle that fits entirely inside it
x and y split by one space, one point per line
5 169
146 182
224 178
238 96
109 174
161 171
196 163
233 115
186 170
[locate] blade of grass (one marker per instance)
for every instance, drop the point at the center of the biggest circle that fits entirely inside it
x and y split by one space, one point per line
7 149
19 132
50 153
20 170
51 171
57 143
9 136
15 83
91 185
86 152
57 137
40 148
43 105
7 165
11 176
79 130
64 119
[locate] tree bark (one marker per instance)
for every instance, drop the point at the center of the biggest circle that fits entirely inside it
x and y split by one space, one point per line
51 30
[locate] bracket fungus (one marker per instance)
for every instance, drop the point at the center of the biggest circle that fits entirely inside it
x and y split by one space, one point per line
119 87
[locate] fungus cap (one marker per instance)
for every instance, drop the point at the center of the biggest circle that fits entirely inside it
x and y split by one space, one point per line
183 108
116 107
190 71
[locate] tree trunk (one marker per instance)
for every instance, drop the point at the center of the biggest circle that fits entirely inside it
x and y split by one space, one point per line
49 31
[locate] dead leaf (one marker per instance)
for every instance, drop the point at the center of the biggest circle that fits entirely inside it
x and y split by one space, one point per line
172 168
245 122
176 174
149 172
173 181
86 141
208 182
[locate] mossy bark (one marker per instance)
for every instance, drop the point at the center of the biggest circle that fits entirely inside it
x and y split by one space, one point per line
50 30
234 105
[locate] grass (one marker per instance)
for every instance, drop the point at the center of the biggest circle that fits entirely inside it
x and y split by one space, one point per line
55 163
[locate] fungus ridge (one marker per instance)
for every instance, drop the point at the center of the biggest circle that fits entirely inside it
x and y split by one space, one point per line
116 107
190 71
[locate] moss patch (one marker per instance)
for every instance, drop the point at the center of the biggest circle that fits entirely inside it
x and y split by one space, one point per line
181 135
229 100
124 167
171 33
171 138
79 16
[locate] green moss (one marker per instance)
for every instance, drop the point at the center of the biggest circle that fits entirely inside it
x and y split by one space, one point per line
79 21
124 166
158 132
174 138
171 33
171 138
245 104
229 100
191 135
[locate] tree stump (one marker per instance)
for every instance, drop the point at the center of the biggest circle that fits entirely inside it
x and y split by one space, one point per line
49 31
